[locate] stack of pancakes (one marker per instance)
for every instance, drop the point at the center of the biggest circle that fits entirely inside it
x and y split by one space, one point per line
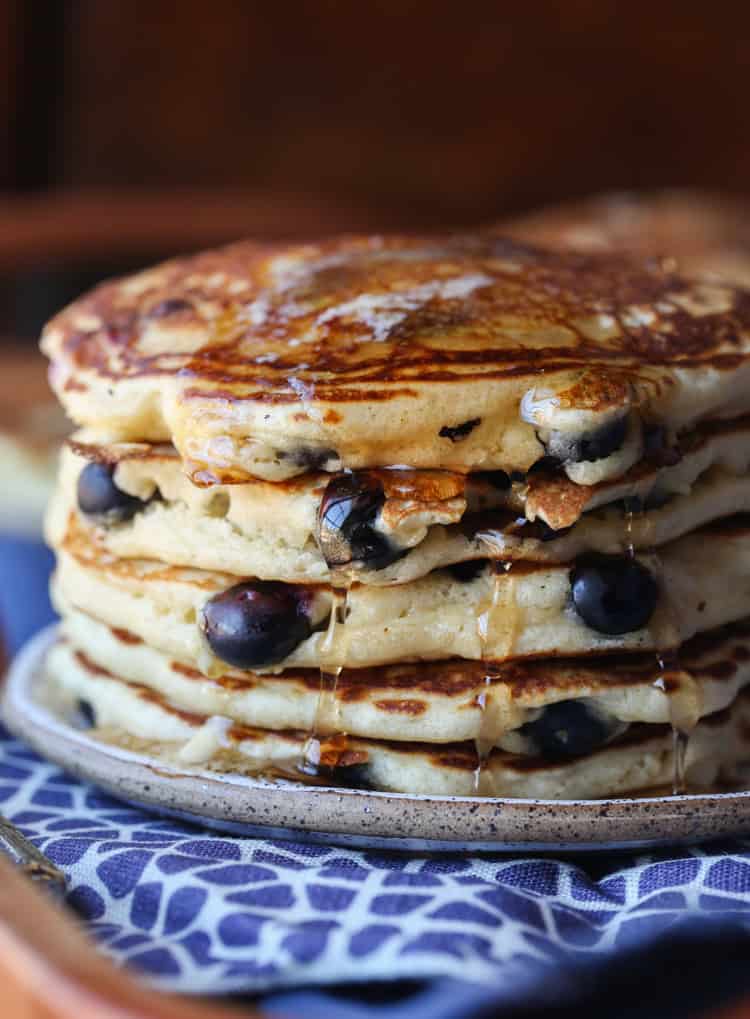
443 516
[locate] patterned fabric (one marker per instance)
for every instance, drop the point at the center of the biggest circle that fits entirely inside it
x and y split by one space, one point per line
199 912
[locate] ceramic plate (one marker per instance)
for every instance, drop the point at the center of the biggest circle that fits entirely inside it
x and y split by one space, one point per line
253 806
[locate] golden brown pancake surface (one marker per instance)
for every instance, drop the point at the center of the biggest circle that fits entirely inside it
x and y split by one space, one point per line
467 352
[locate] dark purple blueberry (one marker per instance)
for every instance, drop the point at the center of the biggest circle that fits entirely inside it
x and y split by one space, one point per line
498 479
655 439
547 533
99 496
352 776
468 571
569 729
633 504
613 594
310 458
457 432
346 519
594 445
544 465
657 448
637 504
86 715
170 306
257 623
355 776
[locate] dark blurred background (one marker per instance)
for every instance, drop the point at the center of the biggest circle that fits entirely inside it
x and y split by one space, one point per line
132 129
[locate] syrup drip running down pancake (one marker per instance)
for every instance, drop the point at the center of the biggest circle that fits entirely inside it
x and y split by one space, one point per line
463 353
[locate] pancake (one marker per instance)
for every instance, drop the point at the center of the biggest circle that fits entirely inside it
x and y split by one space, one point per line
464 353
709 234
133 716
443 702
591 606
422 520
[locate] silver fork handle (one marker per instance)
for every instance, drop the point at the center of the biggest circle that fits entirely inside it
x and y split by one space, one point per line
30 860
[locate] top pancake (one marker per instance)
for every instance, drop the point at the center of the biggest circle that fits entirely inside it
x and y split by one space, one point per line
466 352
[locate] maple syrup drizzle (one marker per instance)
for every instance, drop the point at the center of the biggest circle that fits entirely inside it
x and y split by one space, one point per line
684 709
684 697
497 625
679 752
639 527
629 538
326 742
483 743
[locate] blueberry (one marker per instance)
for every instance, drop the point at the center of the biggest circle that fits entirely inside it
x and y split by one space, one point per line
99 496
457 432
569 729
633 504
613 594
86 714
310 458
353 776
654 500
498 479
467 571
547 533
170 306
256 623
657 447
655 440
593 445
346 518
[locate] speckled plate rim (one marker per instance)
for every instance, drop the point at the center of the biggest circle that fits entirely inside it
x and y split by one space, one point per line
357 818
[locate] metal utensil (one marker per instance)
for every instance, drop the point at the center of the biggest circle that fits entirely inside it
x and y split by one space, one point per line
30 861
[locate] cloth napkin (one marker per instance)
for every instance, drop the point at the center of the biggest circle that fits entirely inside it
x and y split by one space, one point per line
195 911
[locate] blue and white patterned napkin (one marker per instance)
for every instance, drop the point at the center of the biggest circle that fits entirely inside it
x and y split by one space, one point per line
198 912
